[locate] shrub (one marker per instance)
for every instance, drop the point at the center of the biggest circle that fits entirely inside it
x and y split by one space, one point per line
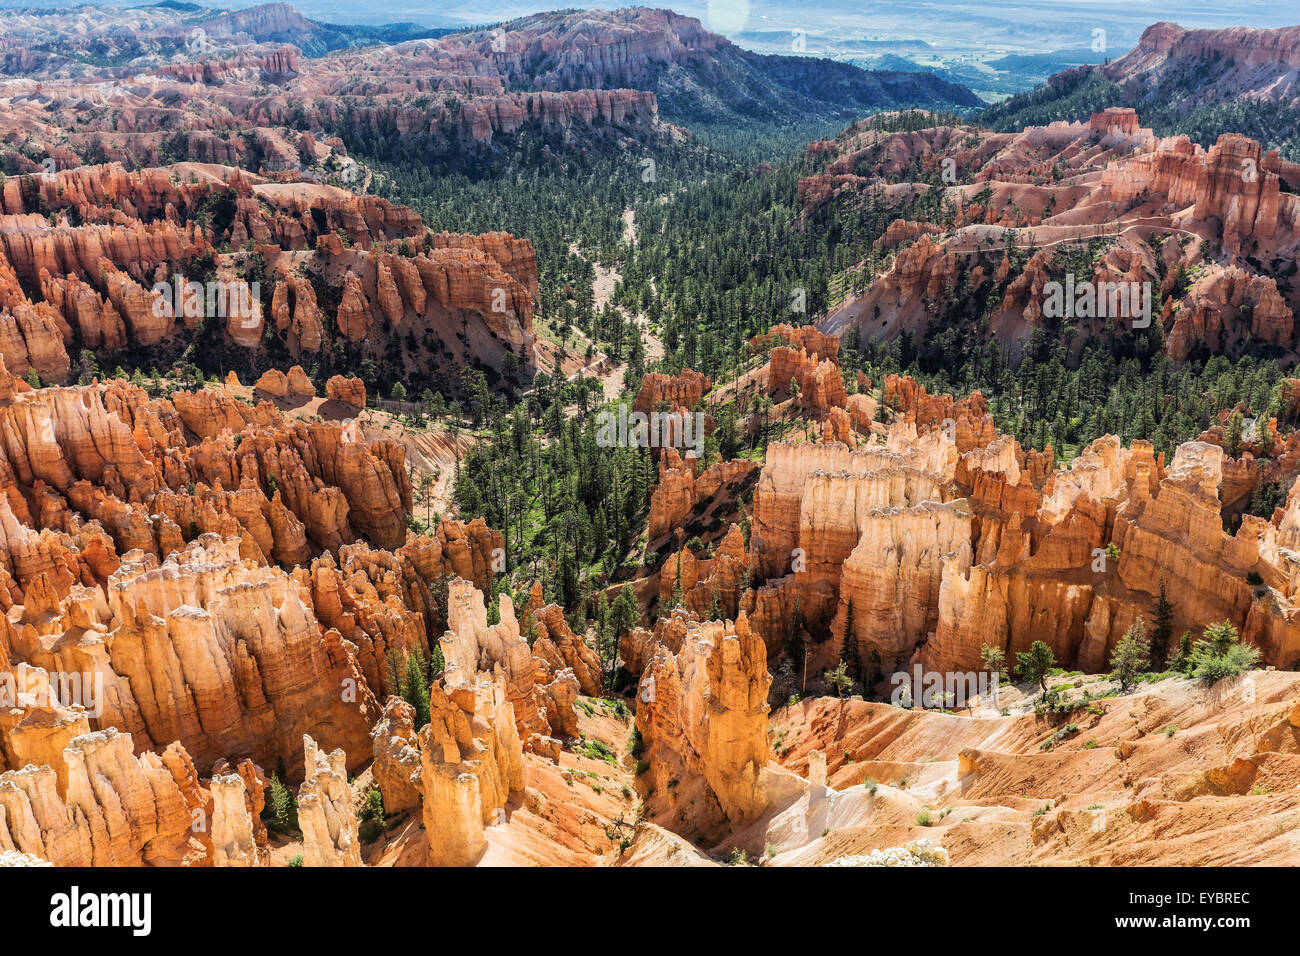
371 816
994 660
1220 654
373 809
599 750
923 818
282 805
1060 735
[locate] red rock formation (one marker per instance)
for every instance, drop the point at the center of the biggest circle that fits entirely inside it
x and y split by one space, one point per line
820 386
681 392
806 337
932 551
718 580
1115 120
112 808
472 763
1164 48
557 649
349 391
397 756
680 492
1224 308
325 812
138 233
702 714
1051 188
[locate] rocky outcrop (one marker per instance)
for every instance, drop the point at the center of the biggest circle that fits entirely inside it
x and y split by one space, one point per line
710 586
806 338
471 766
813 506
1113 121
702 713
325 810
118 278
232 825
115 809
349 391
1225 305
680 392
228 659
397 757
1110 182
112 456
557 648
1245 57
940 541
472 646
680 492
816 381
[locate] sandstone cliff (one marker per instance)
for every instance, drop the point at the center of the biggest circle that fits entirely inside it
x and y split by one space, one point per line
702 714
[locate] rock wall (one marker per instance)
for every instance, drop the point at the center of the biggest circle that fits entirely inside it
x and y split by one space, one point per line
471 766
138 233
325 810
105 806
702 712
935 544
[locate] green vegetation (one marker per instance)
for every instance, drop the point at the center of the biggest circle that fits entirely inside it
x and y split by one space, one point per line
1132 656
1220 654
1077 94
281 813
1032 665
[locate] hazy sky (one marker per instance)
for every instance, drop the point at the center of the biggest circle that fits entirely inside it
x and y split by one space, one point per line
1024 24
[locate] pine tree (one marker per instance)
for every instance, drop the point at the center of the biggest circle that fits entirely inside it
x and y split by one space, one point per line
1183 661
794 643
283 805
1131 656
1034 664
413 685
1162 628
677 587
851 654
